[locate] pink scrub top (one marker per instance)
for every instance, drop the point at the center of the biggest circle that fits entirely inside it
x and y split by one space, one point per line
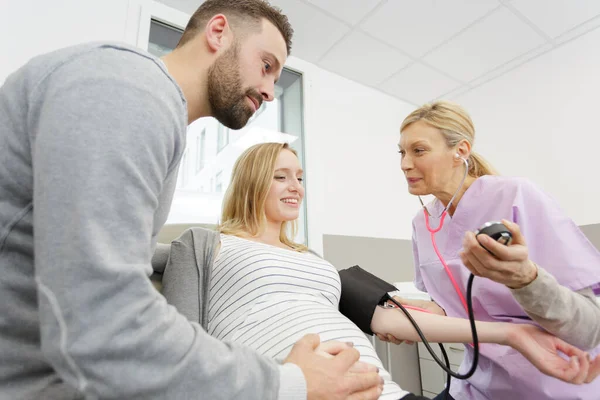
555 243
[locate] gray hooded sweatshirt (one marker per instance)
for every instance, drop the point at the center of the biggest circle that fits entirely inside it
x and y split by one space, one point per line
91 138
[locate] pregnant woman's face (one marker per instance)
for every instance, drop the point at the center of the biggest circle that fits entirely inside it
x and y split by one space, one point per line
287 190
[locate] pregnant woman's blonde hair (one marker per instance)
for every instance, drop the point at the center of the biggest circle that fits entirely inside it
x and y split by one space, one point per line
244 202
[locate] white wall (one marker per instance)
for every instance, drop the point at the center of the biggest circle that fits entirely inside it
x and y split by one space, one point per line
354 182
541 121
32 27
537 121
353 175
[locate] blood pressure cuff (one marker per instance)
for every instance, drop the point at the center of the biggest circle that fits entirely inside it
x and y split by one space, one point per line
361 293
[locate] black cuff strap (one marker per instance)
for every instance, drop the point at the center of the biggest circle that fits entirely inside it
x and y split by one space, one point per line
361 293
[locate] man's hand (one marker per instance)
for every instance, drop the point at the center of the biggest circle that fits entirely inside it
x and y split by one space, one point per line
542 350
333 348
333 378
428 306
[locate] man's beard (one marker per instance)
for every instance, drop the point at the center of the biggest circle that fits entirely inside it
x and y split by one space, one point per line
225 94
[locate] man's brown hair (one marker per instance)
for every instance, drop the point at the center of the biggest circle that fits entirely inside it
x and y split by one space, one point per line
241 14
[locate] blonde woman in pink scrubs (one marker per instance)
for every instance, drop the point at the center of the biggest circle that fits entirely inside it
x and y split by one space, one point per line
545 277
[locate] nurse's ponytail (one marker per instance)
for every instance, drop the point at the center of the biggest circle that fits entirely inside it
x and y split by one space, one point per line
456 125
479 166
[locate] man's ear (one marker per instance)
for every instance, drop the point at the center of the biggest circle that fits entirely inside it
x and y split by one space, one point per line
218 33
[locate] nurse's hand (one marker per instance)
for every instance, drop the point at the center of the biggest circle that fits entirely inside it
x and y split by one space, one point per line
542 350
508 265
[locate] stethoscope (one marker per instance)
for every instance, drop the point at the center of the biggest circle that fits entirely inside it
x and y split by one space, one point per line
445 365
442 217
496 231
433 231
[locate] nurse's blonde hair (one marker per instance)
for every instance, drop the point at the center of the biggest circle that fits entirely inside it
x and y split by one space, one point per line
244 201
456 125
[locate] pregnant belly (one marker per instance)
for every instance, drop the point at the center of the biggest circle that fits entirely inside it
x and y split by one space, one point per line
273 328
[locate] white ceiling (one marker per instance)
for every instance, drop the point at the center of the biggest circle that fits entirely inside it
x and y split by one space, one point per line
419 50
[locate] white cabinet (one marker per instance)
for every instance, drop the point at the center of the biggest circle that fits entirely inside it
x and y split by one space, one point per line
433 378
402 362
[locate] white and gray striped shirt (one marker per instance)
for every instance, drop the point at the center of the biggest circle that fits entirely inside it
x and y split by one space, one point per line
267 298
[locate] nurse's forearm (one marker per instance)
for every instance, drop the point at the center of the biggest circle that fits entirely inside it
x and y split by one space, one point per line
436 328
571 316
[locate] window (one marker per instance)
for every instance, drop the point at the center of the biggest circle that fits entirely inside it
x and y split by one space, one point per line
200 147
163 38
219 182
182 180
212 148
222 137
